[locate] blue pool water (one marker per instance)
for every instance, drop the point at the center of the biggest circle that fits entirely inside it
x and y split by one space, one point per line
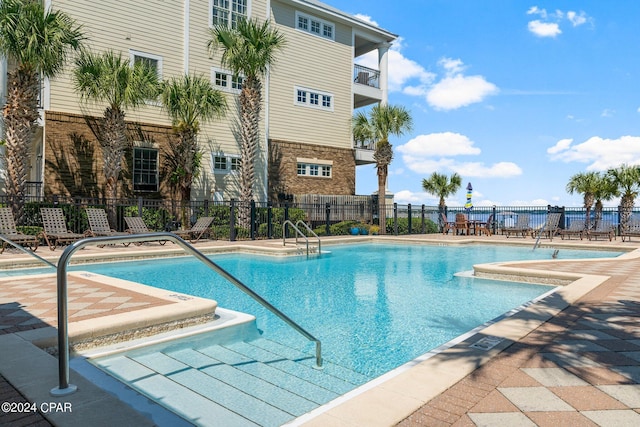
373 306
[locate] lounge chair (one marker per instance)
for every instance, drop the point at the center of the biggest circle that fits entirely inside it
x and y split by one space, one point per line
521 227
602 229
99 224
576 228
446 224
549 228
461 224
630 230
55 228
8 231
199 230
484 227
136 225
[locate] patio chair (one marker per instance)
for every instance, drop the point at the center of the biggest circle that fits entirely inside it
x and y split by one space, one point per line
576 228
485 227
461 224
521 227
136 225
55 228
8 231
99 224
549 228
199 230
630 230
602 229
446 224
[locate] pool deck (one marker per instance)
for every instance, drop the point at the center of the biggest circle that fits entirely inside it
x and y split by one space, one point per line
572 358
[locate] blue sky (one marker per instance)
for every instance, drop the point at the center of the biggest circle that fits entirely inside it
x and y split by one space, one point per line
514 96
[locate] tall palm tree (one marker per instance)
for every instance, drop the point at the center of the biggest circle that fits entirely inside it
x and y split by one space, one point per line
605 190
189 100
442 186
108 78
247 50
375 127
585 183
39 41
626 178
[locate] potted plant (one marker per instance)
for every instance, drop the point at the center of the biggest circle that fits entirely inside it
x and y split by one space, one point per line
374 230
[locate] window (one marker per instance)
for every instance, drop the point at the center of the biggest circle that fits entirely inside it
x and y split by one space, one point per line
145 169
316 26
313 98
223 163
153 61
226 81
228 12
314 168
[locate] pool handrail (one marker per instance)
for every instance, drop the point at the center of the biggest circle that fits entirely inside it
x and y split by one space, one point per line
310 231
28 252
64 388
298 233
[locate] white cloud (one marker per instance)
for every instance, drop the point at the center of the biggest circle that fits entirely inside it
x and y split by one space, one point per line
599 153
366 18
544 29
425 154
607 113
577 18
444 144
457 91
406 196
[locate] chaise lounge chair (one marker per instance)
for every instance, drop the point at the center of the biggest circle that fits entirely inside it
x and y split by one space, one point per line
99 224
632 229
549 228
521 227
8 231
55 228
199 230
136 225
576 228
602 229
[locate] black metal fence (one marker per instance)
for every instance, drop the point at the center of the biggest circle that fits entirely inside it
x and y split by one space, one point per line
234 220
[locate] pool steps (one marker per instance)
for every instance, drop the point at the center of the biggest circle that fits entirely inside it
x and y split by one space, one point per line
240 383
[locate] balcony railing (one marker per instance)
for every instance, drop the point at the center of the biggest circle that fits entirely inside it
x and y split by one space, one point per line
366 76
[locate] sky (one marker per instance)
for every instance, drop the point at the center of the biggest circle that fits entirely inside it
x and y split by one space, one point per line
515 96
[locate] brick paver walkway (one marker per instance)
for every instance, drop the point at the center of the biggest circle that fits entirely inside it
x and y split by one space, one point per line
581 368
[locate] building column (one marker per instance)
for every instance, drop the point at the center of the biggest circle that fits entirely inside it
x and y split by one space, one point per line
383 66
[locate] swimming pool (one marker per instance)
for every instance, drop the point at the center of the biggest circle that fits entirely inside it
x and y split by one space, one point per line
373 306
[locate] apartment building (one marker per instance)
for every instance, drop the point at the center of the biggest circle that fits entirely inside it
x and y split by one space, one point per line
309 98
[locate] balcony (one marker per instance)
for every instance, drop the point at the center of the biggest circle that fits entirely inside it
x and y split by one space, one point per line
364 154
366 86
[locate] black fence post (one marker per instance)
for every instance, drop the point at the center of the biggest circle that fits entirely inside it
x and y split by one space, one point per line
493 225
409 229
253 220
139 206
327 224
424 224
77 201
232 220
395 218
205 207
269 220
286 218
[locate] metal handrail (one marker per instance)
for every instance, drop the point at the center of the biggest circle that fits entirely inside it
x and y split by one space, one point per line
33 254
310 231
298 233
64 387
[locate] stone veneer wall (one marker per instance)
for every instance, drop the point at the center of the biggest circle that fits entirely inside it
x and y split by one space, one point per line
283 172
73 157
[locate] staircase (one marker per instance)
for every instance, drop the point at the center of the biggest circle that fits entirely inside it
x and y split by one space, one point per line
242 383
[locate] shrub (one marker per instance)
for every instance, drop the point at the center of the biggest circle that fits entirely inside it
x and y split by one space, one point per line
156 219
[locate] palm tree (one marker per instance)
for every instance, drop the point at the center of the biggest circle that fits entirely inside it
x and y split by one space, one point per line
39 41
247 50
382 120
188 101
605 190
585 183
626 179
442 186
109 78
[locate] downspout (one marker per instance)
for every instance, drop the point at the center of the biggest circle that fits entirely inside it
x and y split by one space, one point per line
266 118
185 45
